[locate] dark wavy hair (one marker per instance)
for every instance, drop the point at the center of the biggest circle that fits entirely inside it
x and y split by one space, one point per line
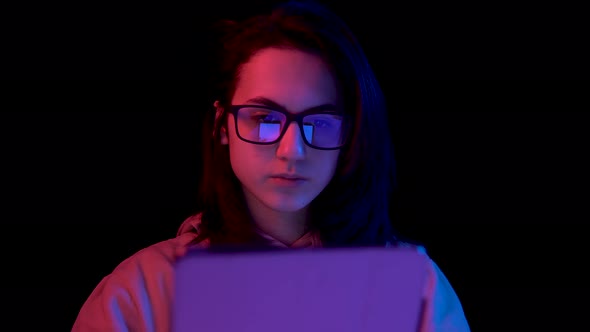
353 210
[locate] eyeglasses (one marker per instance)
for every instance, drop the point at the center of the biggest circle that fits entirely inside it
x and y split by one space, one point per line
265 125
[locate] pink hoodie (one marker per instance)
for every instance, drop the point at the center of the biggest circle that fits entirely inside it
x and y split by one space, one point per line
138 294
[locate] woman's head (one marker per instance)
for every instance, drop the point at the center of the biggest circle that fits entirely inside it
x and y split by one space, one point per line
276 82
299 59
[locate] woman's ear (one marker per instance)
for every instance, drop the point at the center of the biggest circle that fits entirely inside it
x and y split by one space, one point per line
223 130
223 136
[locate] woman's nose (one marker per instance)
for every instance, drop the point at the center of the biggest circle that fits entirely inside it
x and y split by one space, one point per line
291 145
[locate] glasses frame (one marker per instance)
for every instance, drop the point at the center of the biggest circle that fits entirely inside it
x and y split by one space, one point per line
298 118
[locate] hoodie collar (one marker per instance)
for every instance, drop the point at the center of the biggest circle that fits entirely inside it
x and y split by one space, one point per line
308 240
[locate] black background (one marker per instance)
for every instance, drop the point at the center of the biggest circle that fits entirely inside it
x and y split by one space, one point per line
100 153
404 39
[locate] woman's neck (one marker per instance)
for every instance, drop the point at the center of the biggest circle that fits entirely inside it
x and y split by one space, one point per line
286 227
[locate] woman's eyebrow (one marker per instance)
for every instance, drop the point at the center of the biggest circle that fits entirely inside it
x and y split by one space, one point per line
273 104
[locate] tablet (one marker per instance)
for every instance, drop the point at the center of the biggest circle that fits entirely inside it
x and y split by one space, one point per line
294 290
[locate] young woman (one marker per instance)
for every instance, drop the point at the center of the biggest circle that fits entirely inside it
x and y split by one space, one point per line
297 154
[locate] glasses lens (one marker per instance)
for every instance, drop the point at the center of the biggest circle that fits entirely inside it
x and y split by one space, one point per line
260 124
324 130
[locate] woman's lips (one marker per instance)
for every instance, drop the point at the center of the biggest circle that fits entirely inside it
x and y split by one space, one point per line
287 182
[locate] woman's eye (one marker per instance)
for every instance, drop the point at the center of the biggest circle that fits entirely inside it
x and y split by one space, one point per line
259 116
321 124
265 117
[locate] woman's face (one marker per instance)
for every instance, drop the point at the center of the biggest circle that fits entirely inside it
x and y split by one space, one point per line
296 81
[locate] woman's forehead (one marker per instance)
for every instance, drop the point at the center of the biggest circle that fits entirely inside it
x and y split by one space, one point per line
295 79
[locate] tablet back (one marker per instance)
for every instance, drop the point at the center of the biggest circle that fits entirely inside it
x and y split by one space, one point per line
345 290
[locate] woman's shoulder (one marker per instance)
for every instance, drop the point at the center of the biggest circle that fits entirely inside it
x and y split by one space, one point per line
138 286
443 309
158 257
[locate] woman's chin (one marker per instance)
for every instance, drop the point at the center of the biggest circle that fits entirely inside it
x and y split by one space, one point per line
287 205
